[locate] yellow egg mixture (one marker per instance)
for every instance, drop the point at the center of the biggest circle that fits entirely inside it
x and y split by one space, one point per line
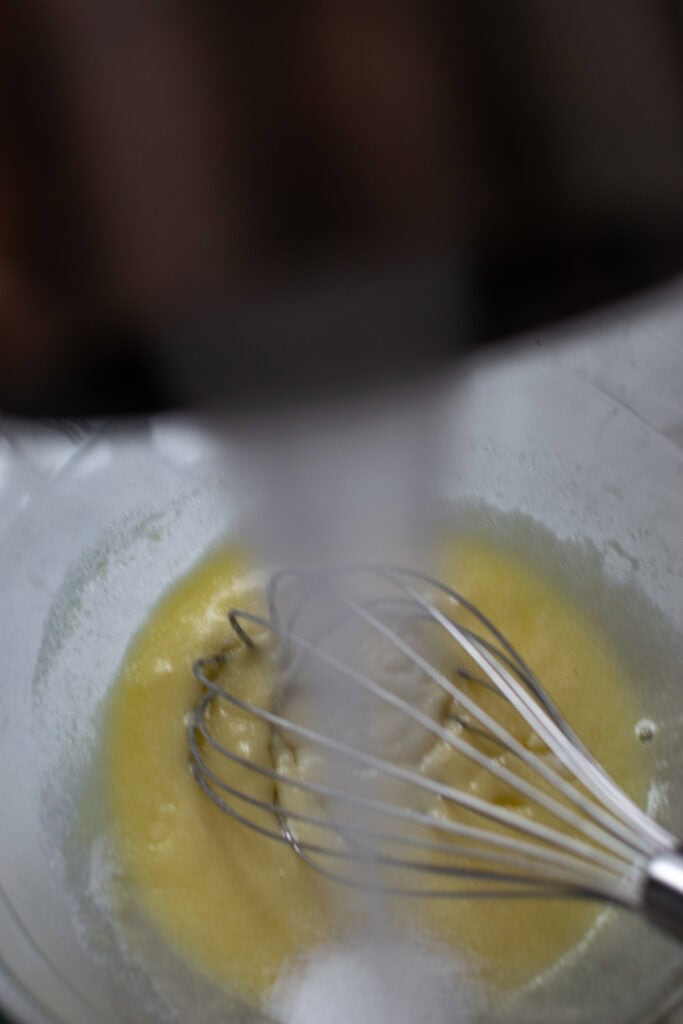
243 908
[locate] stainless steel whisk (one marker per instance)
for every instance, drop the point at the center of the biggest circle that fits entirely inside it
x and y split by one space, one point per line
376 805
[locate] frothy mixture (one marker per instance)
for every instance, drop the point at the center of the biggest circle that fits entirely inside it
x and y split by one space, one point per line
246 910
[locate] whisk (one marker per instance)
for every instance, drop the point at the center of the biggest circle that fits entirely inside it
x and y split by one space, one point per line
354 785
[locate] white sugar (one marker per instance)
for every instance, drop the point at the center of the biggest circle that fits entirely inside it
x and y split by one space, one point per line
379 982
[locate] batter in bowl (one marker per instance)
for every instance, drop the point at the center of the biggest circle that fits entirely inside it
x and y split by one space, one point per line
244 909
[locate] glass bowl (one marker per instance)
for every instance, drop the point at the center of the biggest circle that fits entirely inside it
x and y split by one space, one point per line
583 440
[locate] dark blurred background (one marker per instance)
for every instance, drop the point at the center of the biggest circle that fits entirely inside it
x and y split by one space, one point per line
230 193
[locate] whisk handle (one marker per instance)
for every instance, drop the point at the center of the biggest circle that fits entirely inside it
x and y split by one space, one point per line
663 896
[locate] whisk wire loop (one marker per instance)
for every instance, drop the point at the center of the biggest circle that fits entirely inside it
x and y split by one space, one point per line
585 837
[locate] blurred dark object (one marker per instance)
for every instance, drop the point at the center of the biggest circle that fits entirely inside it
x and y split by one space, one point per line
231 200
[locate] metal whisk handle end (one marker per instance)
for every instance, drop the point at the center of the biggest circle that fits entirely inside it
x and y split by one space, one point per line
663 895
